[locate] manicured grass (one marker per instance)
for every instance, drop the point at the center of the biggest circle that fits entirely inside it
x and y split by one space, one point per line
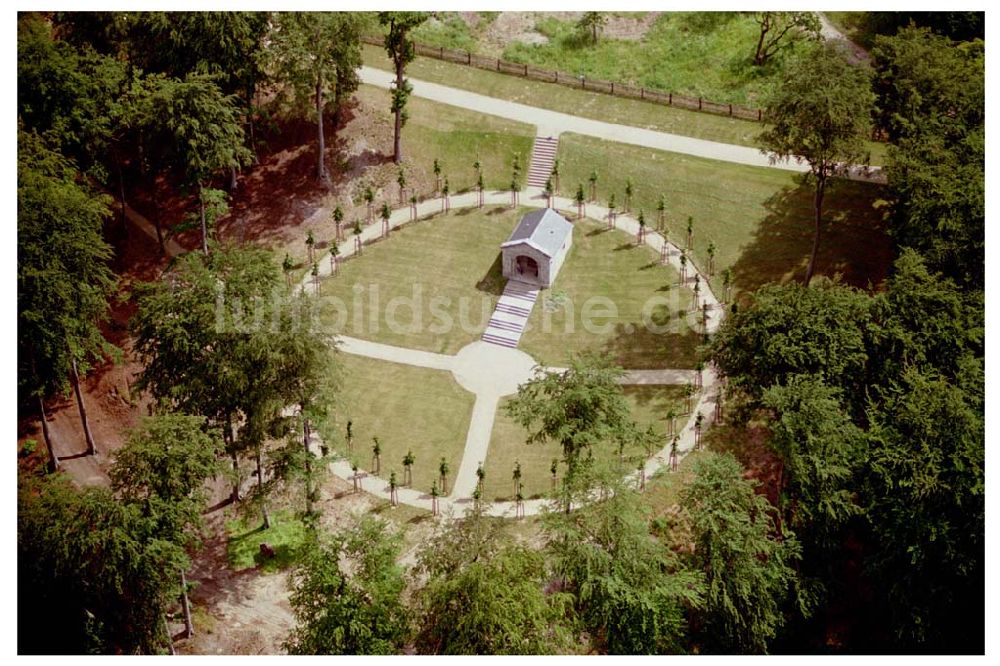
408 409
285 535
456 138
650 405
629 280
761 220
453 259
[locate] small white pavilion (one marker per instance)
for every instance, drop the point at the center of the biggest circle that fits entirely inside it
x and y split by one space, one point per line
537 247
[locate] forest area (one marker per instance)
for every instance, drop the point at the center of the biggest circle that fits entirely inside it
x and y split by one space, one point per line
838 509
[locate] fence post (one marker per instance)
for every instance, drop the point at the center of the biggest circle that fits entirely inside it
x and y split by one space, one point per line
441 49
670 100
730 110
468 57
498 64
699 103
642 93
525 70
758 115
612 87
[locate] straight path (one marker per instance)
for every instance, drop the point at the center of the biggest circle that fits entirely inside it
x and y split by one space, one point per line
564 122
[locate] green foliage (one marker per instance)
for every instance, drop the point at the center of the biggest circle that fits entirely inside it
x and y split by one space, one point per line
792 330
591 24
93 567
630 592
748 572
779 29
932 105
581 409
924 495
347 594
485 594
163 468
818 446
63 278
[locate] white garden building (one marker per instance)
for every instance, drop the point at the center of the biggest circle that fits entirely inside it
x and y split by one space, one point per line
537 247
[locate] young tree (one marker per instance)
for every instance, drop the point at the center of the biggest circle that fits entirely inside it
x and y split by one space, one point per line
408 461
581 201
314 51
591 23
748 571
443 470
821 114
347 594
581 409
163 468
399 47
63 278
778 30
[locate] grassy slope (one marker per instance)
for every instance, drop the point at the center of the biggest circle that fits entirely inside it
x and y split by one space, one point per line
759 219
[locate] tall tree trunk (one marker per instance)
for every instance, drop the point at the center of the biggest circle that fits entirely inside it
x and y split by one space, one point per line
321 168
186 607
204 223
166 633
229 437
251 137
260 487
232 179
308 465
53 463
75 377
818 212
758 57
156 215
397 151
121 191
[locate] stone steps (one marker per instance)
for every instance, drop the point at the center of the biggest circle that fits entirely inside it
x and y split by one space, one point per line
543 156
511 314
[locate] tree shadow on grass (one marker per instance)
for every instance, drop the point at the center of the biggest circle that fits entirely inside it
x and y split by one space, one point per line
854 243
635 346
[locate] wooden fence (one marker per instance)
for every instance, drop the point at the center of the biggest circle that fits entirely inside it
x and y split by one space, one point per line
581 82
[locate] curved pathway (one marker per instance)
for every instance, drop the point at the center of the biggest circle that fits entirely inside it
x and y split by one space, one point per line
553 123
491 372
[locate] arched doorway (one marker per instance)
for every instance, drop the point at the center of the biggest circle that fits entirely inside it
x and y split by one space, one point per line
527 267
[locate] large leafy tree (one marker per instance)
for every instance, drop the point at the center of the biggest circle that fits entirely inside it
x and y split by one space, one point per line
790 330
93 572
162 469
63 278
206 133
485 594
347 594
821 113
931 97
317 51
631 593
581 409
399 46
924 494
817 446
748 570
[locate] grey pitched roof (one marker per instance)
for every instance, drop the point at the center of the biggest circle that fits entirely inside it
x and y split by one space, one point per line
543 229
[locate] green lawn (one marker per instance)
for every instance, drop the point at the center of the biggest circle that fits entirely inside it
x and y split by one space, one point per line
507 445
608 264
455 137
759 219
246 534
407 408
453 259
